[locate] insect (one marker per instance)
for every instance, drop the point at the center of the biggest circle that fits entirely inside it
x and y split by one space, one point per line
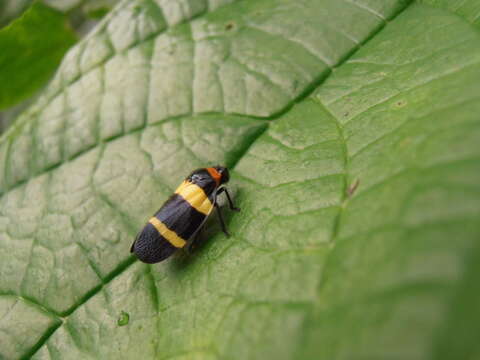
182 215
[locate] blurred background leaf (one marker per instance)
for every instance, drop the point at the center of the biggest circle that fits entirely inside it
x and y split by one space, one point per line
33 45
32 48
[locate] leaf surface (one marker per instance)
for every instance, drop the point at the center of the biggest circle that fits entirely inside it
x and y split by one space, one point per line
352 130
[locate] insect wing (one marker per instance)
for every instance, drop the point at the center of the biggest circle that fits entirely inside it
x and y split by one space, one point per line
151 247
185 215
177 221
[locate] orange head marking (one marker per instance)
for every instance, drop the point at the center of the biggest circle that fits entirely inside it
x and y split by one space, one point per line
215 175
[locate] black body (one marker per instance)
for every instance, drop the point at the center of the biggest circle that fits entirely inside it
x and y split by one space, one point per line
180 217
151 247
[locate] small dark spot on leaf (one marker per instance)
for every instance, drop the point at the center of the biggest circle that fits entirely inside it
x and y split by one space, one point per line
353 187
123 319
346 114
229 26
400 103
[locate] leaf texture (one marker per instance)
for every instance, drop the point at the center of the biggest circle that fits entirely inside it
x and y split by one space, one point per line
352 130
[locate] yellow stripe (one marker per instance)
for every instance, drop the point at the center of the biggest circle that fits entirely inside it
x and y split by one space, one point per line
195 196
168 234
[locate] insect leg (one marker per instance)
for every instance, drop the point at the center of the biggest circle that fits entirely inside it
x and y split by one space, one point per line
189 247
196 237
220 218
230 202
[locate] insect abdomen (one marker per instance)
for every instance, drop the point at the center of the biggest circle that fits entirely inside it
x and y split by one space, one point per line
174 224
179 216
151 247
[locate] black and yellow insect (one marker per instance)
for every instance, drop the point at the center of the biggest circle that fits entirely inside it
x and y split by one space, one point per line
182 215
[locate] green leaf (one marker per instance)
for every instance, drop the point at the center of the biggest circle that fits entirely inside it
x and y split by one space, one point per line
96 9
352 132
32 48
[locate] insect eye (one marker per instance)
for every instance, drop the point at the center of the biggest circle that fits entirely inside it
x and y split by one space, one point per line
196 177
